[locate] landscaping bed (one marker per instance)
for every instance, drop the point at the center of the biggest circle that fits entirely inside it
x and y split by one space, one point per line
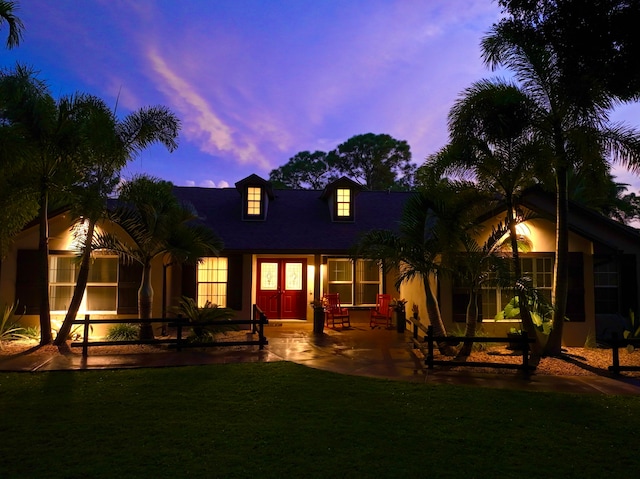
573 362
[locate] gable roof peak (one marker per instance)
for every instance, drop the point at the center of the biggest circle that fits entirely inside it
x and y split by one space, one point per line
343 182
255 180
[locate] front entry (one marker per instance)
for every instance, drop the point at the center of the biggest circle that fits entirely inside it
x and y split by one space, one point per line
282 287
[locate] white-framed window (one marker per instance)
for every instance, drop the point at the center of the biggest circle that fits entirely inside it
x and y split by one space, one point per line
357 282
343 202
254 201
101 293
539 269
212 277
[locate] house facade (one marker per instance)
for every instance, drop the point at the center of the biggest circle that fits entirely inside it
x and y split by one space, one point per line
285 248
604 272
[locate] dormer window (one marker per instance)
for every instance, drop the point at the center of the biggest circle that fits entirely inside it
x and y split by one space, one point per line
340 196
343 203
256 194
254 201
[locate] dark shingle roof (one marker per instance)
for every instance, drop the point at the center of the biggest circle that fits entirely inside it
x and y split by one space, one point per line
298 221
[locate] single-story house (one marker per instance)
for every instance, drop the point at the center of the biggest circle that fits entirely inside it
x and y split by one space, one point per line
285 248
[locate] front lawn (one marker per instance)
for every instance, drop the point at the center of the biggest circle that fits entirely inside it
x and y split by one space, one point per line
283 420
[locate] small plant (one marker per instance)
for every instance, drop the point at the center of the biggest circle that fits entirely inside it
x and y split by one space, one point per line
539 309
633 332
123 332
319 303
398 304
31 332
74 335
188 308
10 330
459 331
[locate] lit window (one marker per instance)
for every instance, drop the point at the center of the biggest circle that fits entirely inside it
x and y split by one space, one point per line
254 201
340 275
101 292
494 299
212 281
343 202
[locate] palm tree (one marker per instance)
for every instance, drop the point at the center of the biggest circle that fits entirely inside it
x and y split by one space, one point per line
576 131
52 136
7 15
493 145
18 205
110 145
431 223
477 265
157 225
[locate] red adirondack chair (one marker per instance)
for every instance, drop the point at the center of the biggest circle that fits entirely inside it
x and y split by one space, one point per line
381 314
334 312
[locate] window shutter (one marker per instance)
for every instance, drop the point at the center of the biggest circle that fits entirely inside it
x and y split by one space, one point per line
575 294
234 282
628 281
129 279
27 283
189 281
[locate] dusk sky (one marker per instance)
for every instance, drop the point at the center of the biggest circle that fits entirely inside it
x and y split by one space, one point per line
256 81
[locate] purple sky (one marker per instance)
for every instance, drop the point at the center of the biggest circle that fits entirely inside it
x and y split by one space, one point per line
255 81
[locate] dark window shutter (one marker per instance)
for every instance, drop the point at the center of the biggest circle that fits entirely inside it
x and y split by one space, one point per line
628 282
460 300
234 282
575 294
27 284
129 279
189 281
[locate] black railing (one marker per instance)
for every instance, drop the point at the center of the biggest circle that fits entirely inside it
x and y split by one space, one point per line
522 342
256 324
616 343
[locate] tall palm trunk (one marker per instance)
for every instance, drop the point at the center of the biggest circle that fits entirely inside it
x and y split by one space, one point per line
435 318
561 266
471 322
78 292
523 303
145 301
43 273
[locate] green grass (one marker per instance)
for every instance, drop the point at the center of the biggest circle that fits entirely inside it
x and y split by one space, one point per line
283 420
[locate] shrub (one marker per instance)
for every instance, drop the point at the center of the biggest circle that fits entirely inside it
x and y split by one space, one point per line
123 332
10 330
188 308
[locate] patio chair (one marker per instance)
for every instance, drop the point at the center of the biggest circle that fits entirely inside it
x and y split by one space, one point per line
381 314
335 312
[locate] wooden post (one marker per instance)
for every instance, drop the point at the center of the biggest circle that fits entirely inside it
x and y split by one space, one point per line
179 334
85 339
616 353
429 359
263 319
525 352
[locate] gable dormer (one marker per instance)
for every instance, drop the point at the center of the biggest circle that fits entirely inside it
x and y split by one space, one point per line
256 193
340 196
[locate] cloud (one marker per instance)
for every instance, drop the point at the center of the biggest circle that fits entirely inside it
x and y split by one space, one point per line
189 183
223 184
207 184
201 122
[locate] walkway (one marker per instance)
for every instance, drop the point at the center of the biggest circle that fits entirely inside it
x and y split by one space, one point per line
357 351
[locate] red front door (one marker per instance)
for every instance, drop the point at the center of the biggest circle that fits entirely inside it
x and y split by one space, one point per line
282 287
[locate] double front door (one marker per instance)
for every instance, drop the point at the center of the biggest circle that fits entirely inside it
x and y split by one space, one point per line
282 287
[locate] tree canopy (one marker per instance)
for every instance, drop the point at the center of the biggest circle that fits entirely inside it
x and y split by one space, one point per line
596 42
377 162
305 170
570 115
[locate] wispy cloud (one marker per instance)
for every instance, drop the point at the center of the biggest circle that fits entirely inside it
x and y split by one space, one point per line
201 122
